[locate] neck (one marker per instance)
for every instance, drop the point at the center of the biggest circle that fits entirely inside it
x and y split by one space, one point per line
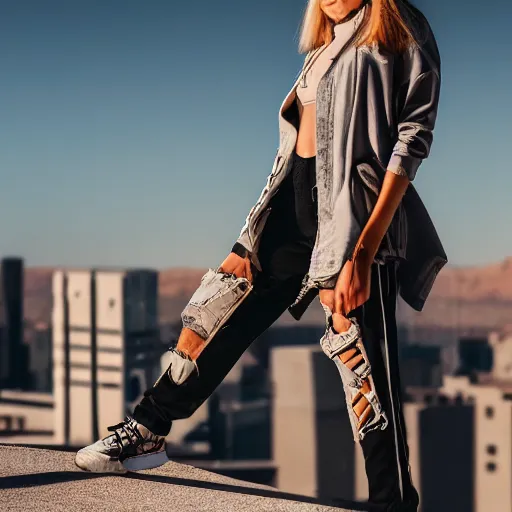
351 14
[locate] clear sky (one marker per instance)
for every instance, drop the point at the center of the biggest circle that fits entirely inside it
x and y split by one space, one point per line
141 132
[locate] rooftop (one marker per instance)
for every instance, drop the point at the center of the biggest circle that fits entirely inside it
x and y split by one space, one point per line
34 479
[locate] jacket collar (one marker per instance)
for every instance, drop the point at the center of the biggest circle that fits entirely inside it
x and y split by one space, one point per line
339 30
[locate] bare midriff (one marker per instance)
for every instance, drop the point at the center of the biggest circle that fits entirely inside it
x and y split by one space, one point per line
306 138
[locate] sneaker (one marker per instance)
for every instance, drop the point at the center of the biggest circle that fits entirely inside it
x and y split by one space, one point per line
131 447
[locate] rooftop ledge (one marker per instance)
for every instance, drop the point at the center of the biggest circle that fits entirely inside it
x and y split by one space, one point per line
36 479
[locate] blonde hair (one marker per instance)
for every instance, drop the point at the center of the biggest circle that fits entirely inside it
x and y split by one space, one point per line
386 24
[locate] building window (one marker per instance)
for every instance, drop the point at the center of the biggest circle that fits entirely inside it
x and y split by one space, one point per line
21 423
489 412
491 467
492 449
442 400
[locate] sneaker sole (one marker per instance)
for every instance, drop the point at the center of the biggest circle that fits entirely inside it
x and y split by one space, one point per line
95 462
146 461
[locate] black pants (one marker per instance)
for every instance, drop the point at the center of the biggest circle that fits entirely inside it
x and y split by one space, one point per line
290 230
285 256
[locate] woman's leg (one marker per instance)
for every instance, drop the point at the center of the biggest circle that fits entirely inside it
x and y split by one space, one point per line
284 253
221 320
386 451
173 398
372 385
139 441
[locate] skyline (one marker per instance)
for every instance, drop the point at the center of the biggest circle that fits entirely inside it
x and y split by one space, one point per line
114 112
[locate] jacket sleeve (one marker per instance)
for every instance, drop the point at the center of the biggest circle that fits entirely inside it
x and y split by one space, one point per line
418 100
243 244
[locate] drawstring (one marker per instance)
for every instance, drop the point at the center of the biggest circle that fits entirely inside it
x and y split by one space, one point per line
389 385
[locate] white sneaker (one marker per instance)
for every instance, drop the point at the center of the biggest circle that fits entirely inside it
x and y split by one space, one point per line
131 447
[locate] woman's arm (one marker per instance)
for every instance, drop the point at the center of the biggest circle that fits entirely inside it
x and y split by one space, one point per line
392 191
353 284
419 89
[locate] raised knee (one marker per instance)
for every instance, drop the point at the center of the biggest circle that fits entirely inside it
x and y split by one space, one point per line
190 343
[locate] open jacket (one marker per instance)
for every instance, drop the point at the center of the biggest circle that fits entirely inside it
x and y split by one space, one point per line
375 112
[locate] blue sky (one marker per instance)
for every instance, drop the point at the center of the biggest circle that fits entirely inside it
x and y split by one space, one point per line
141 133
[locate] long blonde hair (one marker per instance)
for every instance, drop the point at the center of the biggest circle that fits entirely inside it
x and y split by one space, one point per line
385 24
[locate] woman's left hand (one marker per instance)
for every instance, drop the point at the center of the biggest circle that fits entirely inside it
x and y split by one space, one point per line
352 288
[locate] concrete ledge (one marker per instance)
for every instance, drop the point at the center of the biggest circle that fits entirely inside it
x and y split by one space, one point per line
40 480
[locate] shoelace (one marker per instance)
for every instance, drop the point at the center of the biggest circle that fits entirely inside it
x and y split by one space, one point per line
129 429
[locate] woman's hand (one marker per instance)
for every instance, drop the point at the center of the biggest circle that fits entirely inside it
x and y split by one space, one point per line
339 322
351 291
237 265
353 284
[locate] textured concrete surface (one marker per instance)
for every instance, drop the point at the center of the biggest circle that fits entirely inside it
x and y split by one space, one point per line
32 479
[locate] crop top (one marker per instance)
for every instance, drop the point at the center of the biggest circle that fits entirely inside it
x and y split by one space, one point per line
320 60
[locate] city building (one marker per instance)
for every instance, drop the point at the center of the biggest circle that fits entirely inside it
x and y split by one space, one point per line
501 344
475 356
420 365
14 372
440 436
460 434
491 460
312 441
26 417
39 341
106 348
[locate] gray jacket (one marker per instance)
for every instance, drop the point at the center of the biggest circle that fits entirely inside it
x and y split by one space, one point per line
375 111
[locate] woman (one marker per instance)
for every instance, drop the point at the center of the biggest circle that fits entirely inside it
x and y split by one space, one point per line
338 218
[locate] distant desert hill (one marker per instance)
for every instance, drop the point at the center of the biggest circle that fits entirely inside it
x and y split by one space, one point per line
180 281
490 282
466 296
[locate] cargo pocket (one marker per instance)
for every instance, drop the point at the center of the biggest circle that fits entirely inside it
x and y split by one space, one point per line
214 301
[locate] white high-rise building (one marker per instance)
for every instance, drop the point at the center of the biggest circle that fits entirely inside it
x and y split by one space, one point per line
106 348
312 440
492 440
